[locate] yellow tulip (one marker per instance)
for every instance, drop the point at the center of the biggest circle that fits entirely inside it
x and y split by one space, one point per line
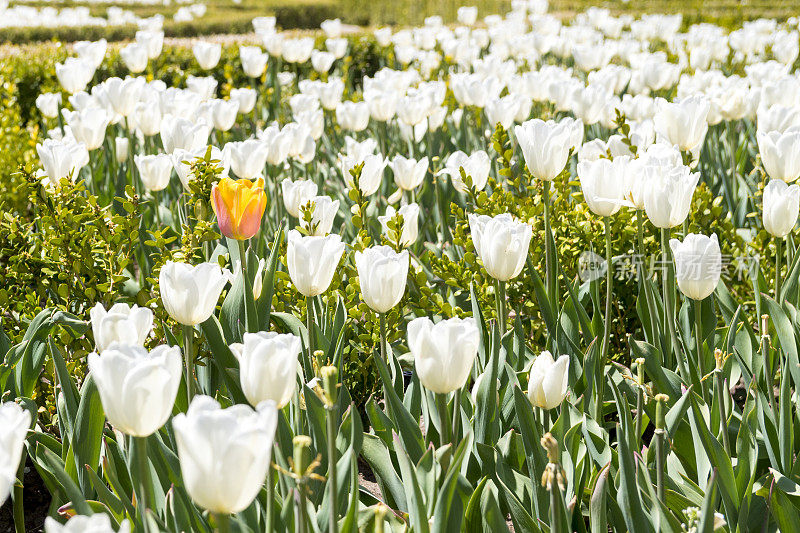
239 206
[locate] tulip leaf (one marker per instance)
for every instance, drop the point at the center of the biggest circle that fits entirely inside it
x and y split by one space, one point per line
404 423
413 492
375 452
55 466
87 441
268 283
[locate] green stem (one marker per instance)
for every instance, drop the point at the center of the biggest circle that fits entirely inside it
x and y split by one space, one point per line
669 313
778 244
188 334
382 321
302 511
143 497
456 415
548 253
723 411
698 341
500 303
332 507
555 496
310 330
606 324
270 499
660 463
444 419
223 522
18 497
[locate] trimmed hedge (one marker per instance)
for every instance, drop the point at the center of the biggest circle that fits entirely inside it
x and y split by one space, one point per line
220 20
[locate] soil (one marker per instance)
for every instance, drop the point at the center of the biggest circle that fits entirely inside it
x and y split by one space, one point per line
36 500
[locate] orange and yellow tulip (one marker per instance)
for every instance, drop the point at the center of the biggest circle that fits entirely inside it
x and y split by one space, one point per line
239 206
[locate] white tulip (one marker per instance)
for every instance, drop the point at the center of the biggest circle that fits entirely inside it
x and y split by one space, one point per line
245 97
135 56
179 133
668 194
502 244
312 261
548 380
121 323
122 147
190 293
268 366
352 116
683 122
74 74
15 422
247 158
781 206
254 61
603 184
780 153
224 453
698 264
137 387
96 523
545 146
371 174
88 126
223 113
48 104
443 352
476 166
207 54
297 194
323 216
408 172
410 214
382 275
154 170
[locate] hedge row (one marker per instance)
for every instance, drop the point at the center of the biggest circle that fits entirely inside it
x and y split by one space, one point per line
289 16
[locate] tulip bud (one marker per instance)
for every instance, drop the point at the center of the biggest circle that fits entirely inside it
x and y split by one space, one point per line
443 352
122 147
48 104
502 244
301 455
698 264
312 261
548 380
122 323
268 366
224 453
239 206
382 274
96 523
190 293
137 388
330 384
781 207
15 422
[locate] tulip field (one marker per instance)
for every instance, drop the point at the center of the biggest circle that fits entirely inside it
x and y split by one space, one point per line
514 271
